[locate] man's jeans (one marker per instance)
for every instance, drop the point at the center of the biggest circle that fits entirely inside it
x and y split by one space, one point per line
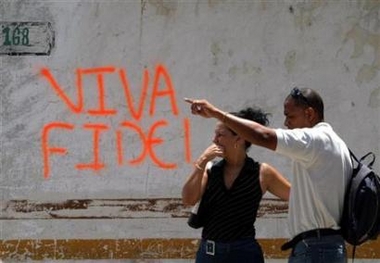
325 249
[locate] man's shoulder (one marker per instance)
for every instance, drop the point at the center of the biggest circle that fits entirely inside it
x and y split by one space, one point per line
323 125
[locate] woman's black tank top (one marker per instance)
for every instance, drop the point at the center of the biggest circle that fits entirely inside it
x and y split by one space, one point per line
232 212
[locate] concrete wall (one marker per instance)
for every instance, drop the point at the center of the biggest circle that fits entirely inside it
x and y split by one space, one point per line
96 141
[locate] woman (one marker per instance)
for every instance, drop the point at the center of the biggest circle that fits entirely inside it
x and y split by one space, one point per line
233 187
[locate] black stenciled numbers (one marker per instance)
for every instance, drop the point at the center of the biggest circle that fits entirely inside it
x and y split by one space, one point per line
16 37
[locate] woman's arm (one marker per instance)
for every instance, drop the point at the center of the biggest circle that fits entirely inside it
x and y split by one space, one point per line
195 184
272 180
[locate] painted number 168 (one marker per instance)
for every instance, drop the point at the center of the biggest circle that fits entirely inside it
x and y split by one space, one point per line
16 37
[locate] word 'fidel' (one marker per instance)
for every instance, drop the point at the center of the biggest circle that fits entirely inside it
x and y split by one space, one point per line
162 88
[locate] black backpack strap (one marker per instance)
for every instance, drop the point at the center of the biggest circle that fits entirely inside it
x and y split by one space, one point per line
353 157
363 158
373 159
360 172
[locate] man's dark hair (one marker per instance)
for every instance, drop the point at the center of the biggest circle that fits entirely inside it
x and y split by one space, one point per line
306 97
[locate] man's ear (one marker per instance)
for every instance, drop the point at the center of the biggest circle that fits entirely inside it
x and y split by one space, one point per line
311 114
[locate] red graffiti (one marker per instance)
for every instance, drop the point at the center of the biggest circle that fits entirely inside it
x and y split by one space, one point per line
162 89
161 73
96 164
46 150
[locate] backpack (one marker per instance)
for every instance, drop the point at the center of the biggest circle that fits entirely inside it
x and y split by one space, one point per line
361 212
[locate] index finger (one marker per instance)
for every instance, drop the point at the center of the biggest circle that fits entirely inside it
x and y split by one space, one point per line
189 100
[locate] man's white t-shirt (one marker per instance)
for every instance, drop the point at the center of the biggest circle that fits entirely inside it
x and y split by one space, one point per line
321 170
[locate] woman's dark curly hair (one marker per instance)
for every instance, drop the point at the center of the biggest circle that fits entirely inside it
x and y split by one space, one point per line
254 114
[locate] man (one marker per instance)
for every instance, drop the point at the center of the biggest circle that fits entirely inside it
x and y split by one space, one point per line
321 170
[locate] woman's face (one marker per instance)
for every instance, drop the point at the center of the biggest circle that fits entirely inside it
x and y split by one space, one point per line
224 137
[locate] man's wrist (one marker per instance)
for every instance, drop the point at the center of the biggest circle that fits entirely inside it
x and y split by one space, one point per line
225 117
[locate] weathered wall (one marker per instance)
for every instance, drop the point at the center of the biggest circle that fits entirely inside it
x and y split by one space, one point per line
96 140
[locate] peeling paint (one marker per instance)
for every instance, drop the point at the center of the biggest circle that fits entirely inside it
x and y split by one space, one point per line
362 38
116 208
58 249
244 69
214 42
305 12
374 98
215 51
164 8
290 61
369 5
366 73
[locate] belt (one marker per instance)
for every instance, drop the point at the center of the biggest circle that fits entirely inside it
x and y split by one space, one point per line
211 247
309 234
